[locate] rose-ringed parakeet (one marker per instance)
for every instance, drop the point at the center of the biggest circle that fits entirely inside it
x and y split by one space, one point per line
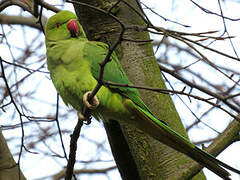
73 62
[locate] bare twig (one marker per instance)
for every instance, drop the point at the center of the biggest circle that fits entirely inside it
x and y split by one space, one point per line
28 21
62 173
19 113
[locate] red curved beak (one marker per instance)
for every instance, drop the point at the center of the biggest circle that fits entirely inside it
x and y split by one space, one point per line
73 27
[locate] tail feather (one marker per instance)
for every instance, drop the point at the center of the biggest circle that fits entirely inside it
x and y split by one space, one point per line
154 127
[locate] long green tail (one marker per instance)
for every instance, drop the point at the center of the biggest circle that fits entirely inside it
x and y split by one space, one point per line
154 127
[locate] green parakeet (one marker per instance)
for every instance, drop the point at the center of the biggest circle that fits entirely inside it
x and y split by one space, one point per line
73 62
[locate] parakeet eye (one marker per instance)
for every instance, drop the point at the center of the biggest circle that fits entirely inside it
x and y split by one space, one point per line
58 25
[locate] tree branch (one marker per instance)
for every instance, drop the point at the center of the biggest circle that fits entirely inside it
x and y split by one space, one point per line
62 173
20 20
225 138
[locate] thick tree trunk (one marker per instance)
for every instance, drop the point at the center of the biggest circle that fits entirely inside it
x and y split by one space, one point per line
145 156
9 170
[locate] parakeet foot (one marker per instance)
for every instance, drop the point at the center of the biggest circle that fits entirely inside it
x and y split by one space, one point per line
90 105
81 117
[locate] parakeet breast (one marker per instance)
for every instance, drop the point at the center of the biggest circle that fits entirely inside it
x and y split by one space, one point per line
72 76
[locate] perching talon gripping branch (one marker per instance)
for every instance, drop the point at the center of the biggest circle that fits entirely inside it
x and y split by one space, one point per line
95 102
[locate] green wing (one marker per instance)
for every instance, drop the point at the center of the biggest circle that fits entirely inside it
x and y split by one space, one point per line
95 52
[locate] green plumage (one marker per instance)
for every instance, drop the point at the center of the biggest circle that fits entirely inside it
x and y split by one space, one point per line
73 62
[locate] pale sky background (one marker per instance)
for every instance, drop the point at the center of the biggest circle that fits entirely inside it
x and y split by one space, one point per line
37 166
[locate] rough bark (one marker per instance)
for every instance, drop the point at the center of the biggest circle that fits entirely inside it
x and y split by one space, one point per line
153 160
9 170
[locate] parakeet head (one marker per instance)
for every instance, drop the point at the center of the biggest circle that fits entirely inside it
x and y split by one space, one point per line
63 25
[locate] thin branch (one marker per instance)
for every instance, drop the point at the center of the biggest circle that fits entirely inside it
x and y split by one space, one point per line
19 20
73 148
20 3
178 35
49 6
165 19
62 173
198 119
213 13
217 96
19 113
27 69
59 129
27 5
35 8
167 91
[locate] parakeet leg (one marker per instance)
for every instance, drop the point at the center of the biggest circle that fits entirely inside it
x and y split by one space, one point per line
86 119
93 104
90 105
83 118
